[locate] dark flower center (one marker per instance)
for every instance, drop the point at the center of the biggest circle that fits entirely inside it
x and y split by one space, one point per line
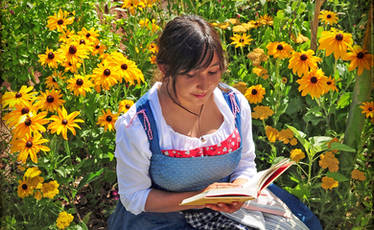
51 55
329 82
88 35
70 64
24 186
279 47
127 106
60 22
25 110
79 82
108 118
370 109
64 122
97 46
82 41
50 98
107 72
18 95
29 144
241 40
28 122
313 80
360 55
53 79
328 16
124 66
339 37
254 91
72 49
303 57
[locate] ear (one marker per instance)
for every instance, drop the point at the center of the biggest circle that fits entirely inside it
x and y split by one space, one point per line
162 68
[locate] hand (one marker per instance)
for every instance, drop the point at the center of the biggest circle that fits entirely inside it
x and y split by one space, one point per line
223 207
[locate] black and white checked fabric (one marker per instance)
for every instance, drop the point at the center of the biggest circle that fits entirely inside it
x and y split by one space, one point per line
206 219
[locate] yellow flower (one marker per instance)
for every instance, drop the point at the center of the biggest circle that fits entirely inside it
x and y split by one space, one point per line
297 155
284 80
314 84
360 58
38 195
63 122
260 72
150 25
331 84
293 141
24 95
255 94
328 160
223 25
107 120
131 5
233 21
241 40
29 145
266 20
99 48
50 100
70 66
335 41
125 105
65 36
279 50
328 17
32 172
358 175
153 48
271 133
368 109
14 117
303 62
126 68
63 220
50 189
241 86
262 112
79 85
257 56
32 122
59 21
239 29
51 81
105 76
285 135
50 58
24 189
299 39
329 183
153 59
253 24
329 144
92 34
73 52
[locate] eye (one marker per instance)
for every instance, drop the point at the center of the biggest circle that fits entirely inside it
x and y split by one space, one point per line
189 75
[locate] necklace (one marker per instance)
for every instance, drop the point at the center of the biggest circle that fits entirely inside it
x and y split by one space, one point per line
181 106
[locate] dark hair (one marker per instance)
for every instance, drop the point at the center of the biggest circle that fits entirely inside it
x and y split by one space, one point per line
187 43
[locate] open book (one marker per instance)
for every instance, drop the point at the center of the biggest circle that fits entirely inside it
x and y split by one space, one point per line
251 190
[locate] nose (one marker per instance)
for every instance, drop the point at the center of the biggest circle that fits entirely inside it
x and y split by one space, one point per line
203 83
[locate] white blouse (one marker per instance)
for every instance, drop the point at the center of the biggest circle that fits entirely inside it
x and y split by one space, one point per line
133 154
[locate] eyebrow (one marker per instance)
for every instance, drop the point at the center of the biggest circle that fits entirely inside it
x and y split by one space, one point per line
217 63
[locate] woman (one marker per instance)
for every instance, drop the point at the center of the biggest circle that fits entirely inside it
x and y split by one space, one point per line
187 134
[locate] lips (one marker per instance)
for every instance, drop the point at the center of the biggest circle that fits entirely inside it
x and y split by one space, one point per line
199 95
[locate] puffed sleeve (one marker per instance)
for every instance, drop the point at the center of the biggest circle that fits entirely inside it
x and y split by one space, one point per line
133 160
247 166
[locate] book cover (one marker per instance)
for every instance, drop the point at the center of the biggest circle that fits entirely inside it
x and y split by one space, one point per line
251 191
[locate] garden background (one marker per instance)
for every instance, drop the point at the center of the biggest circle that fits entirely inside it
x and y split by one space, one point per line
69 68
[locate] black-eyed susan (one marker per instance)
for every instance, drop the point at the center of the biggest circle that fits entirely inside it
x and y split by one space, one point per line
368 109
153 59
107 120
105 76
50 58
22 110
279 50
314 84
79 85
24 95
284 80
66 35
271 133
73 52
297 155
241 86
50 189
266 20
29 145
360 58
262 112
153 48
252 24
257 56
91 34
98 48
241 40
330 84
50 100
303 62
328 160
24 189
125 105
328 17
329 183
59 21
358 175
31 123
63 122
70 67
255 94
126 68
131 5
51 82
335 41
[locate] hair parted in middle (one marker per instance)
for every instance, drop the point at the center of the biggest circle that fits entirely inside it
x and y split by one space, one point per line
188 42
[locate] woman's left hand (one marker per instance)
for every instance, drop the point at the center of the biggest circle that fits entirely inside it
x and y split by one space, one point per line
226 207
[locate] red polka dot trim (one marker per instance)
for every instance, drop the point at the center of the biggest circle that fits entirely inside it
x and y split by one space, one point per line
231 144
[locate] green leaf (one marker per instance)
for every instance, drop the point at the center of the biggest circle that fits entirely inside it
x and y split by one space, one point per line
337 176
344 100
301 137
319 143
90 177
341 147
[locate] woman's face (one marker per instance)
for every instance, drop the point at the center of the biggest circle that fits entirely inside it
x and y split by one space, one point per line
197 86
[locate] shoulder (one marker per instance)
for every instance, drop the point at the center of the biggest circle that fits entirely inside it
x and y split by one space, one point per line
243 102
